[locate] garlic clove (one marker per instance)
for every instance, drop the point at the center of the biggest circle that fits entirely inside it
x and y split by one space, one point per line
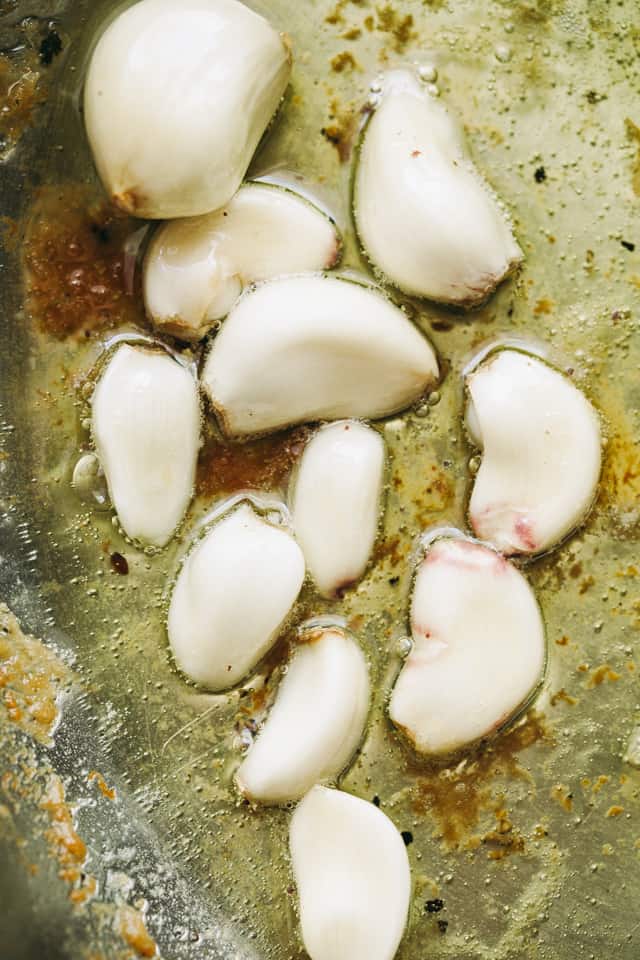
196 268
146 428
352 873
316 723
336 502
176 98
311 348
234 592
425 217
541 452
478 648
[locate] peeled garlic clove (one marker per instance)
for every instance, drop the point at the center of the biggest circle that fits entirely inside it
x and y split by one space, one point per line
352 873
478 647
146 428
316 722
195 268
232 596
541 452
336 502
314 348
176 99
425 217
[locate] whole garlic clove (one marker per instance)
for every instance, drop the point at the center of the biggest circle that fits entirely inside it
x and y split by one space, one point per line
176 98
478 648
307 348
196 268
541 452
425 217
336 502
146 428
231 598
316 723
352 873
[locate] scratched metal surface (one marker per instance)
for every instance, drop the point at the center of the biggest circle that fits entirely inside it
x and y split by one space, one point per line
548 92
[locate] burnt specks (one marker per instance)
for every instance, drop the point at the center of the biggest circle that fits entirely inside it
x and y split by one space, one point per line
628 245
540 174
50 46
407 837
119 564
434 906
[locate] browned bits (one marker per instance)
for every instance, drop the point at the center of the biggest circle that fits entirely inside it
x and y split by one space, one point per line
263 464
74 259
119 563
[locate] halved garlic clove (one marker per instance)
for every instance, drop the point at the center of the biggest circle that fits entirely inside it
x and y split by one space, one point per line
352 873
196 268
336 502
146 428
232 596
425 217
310 348
478 647
176 99
316 722
541 452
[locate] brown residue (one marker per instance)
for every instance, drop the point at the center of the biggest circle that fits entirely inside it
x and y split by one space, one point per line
620 482
341 129
633 134
456 796
563 697
614 811
600 675
504 839
344 61
65 845
263 464
21 91
399 27
437 495
131 927
585 584
391 550
563 641
108 792
563 795
600 782
74 260
543 306
31 679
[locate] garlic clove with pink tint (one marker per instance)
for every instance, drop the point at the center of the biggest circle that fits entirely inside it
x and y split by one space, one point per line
316 722
336 502
541 452
426 218
352 874
233 594
310 347
478 649
196 268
